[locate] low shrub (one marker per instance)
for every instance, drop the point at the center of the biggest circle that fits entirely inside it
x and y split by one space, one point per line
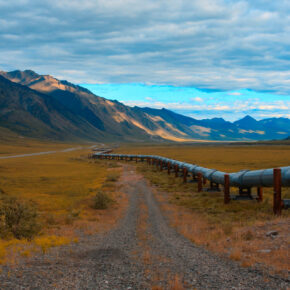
113 177
18 219
112 165
75 213
50 220
248 236
102 200
69 219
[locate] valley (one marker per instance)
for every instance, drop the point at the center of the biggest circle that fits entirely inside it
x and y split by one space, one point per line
144 145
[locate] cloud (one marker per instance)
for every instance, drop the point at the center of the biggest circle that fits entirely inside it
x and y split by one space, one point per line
221 108
210 44
182 100
197 99
237 110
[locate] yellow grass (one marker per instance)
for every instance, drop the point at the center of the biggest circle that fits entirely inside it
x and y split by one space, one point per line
7 248
46 242
62 186
229 158
60 183
22 145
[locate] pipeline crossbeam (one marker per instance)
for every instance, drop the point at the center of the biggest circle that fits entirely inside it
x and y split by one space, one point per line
243 178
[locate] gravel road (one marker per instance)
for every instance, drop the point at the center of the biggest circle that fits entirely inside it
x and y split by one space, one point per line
141 252
47 152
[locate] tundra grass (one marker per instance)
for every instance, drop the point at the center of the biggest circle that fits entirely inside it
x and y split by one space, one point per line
211 204
63 187
229 158
21 145
237 229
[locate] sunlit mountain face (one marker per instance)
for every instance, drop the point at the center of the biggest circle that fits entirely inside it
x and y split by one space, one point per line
45 107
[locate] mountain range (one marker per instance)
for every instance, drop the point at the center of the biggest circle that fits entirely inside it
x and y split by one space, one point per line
42 106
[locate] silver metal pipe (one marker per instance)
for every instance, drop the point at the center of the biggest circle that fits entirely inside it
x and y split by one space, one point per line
244 178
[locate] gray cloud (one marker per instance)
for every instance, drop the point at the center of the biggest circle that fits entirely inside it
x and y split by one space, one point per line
213 44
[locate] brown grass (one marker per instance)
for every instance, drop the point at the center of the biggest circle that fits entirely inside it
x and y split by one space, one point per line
247 263
176 283
249 241
146 257
236 255
237 230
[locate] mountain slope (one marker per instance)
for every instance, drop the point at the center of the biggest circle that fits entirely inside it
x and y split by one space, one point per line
33 114
110 117
81 114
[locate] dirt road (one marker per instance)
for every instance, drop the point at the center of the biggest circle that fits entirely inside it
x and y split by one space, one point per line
47 152
140 253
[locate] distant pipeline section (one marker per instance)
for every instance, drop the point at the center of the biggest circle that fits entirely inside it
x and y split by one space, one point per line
244 179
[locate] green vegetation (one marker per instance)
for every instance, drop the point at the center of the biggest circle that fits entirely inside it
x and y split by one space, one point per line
113 177
102 200
18 219
46 200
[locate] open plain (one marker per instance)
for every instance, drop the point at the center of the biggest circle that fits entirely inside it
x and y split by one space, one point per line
158 233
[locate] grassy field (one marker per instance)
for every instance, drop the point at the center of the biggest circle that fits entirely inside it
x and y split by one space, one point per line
225 158
62 187
238 229
21 145
229 158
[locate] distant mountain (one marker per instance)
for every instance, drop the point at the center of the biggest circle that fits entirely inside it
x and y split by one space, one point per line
43 106
276 124
248 123
272 128
218 129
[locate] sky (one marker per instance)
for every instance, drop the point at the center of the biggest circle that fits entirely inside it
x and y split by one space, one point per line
196 103
204 58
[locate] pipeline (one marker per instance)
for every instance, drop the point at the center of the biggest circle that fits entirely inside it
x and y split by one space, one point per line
243 178
100 151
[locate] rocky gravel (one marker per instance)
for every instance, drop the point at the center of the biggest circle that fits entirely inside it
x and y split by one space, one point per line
130 257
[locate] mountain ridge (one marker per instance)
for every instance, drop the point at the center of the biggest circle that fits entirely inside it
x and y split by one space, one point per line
102 119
